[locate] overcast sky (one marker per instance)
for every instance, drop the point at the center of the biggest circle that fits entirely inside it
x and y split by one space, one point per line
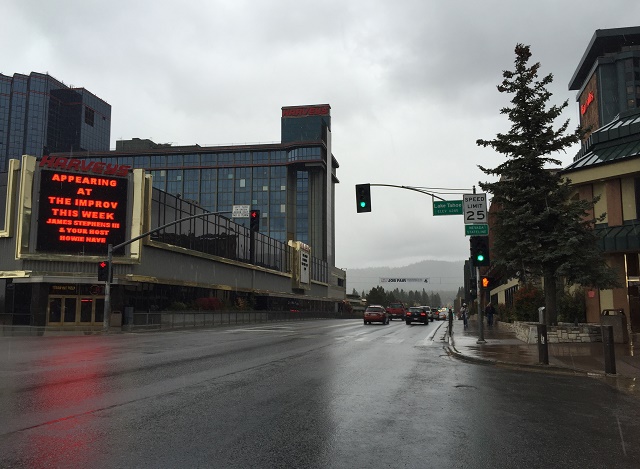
411 84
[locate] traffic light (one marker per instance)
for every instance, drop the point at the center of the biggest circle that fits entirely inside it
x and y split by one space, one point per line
103 271
480 250
363 198
486 283
254 220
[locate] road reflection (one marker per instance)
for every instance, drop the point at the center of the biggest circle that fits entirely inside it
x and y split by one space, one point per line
52 419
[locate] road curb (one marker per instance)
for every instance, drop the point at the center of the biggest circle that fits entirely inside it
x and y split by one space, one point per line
452 351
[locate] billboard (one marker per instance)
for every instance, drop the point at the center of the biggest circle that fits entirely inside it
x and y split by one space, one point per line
81 212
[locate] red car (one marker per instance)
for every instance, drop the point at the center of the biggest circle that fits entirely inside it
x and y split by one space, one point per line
396 311
376 313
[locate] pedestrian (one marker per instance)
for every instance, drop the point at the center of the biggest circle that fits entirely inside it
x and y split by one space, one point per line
489 311
465 314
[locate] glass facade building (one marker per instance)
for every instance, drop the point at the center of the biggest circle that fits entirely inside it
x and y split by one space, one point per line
40 115
291 183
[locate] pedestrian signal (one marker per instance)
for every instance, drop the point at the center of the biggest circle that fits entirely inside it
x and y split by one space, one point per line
103 271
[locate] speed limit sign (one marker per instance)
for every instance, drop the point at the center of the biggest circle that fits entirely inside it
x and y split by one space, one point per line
474 208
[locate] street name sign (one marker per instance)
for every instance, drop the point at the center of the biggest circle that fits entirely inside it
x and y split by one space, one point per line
475 208
477 229
240 211
447 207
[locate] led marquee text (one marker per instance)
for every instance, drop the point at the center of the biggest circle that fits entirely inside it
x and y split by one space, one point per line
79 213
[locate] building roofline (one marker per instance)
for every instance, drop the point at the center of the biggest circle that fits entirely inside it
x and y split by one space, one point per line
603 41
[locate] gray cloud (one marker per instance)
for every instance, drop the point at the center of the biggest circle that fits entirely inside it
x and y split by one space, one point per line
412 85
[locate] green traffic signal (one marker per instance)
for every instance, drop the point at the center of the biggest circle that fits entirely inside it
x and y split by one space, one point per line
363 198
480 250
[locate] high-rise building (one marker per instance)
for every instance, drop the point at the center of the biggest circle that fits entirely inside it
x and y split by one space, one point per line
291 183
66 208
40 115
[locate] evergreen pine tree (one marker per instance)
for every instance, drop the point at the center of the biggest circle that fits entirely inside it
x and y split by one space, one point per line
540 229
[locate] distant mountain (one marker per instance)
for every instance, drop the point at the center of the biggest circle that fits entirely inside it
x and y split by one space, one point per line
442 276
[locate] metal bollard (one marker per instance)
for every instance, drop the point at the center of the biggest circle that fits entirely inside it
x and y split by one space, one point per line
609 350
543 346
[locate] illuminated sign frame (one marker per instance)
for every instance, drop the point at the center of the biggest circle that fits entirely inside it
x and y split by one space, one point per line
81 212
305 111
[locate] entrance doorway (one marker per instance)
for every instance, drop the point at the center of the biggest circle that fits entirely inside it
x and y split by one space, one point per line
66 310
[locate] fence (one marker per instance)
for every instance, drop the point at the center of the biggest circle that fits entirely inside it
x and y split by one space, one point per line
166 320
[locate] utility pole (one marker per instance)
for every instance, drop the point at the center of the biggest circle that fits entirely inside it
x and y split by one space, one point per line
107 287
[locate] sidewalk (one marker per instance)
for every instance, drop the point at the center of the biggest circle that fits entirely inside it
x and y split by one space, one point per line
503 348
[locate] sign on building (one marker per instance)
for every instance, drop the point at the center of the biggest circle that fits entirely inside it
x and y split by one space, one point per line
301 275
240 211
81 212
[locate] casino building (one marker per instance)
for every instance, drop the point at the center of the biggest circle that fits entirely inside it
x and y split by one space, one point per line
607 83
60 211
607 86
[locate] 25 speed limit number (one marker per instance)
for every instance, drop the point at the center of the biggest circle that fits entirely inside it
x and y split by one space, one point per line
475 208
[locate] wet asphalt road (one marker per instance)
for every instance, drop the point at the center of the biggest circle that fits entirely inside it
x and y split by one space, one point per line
308 394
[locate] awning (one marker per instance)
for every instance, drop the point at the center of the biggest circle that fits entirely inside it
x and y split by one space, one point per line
623 238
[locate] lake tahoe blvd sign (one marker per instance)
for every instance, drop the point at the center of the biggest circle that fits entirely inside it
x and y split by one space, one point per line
447 207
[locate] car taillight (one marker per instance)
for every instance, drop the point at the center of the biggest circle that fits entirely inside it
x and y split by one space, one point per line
422 314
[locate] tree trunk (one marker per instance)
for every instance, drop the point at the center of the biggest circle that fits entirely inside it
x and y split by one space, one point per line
550 299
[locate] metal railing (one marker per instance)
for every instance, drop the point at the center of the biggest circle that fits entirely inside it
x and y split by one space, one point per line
167 320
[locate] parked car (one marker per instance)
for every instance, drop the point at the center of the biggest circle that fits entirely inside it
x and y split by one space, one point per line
376 313
417 314
396 310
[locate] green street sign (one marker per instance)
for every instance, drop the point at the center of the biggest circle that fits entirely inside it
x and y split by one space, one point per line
479 229
447 207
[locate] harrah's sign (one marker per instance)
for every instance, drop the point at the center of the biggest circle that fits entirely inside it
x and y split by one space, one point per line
587 103
304 111
84 166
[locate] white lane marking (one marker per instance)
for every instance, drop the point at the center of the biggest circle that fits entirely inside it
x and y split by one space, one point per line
260 330
424 342
359 323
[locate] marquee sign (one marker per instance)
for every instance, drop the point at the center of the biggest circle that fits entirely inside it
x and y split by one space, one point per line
81 211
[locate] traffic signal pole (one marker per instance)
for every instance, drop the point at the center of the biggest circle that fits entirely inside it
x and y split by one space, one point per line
106 322
480 315
422 191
